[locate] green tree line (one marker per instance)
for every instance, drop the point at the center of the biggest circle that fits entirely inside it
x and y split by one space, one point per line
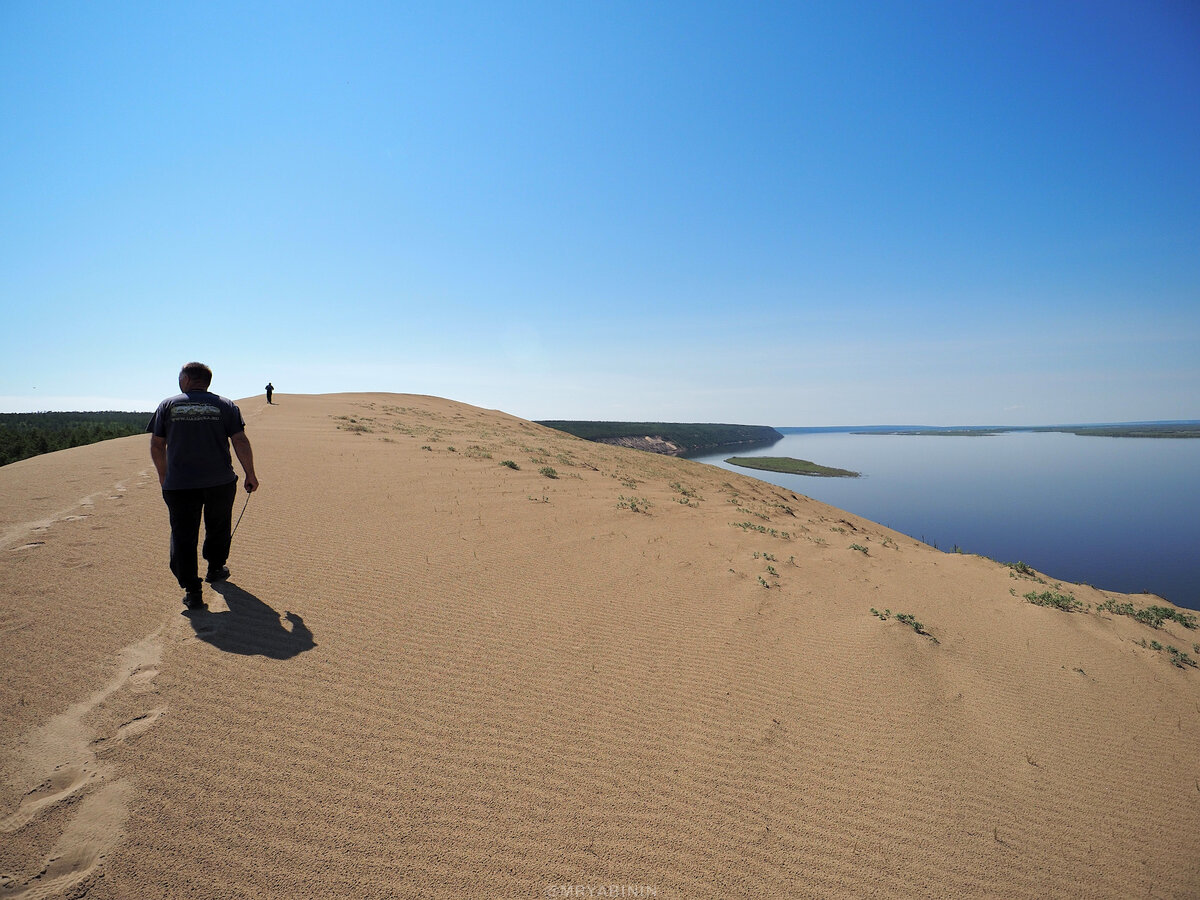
23 435
688 435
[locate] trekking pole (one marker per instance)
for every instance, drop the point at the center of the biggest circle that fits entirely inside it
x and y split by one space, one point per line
242 513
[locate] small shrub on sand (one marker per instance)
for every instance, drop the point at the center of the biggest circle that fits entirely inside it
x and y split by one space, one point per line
1179 658
548 471
1154 616
907 619
635 504
1065 602
510 464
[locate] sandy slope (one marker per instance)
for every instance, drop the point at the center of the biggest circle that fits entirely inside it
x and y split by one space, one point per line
435 676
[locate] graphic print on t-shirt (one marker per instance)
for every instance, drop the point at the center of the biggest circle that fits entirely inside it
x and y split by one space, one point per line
195 412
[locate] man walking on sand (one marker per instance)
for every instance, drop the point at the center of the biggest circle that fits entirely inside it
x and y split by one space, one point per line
270 391
190 437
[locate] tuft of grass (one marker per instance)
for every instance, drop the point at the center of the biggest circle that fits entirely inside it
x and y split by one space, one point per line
682 489
762 529
548 471
1179 659
907 618
860 548
634 504
510 464
1154 616
1065 602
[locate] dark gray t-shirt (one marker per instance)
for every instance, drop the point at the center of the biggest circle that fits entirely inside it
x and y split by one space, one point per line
197 426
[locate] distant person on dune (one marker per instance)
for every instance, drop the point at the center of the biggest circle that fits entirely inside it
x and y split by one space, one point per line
270 391
190 437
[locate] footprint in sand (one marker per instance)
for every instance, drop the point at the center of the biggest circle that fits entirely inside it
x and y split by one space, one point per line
60 764
130 729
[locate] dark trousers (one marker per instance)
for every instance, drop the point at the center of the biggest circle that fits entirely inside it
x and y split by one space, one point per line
215 505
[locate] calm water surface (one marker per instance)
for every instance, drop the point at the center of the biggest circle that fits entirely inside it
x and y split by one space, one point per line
1117 513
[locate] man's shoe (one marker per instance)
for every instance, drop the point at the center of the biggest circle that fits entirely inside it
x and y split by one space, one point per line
217 574
194 599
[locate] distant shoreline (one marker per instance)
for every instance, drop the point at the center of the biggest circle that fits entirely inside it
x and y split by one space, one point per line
1158 430
668 438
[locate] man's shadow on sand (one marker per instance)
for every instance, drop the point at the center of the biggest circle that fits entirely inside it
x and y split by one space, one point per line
249 626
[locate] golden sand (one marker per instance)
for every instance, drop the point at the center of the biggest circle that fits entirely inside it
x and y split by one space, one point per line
432 675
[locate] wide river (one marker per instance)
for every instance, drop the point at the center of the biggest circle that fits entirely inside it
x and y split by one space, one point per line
1117 513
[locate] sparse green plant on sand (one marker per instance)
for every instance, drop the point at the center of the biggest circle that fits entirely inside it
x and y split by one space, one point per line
771 570
634 504
908 619
763 529
763 582
1155 645
477 452
426 447
1179 659
1065 602
451 448
1154 616
861 549
548 471
510 464
1020 570
685 491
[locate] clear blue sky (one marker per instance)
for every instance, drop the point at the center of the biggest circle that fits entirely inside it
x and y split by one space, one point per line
805 213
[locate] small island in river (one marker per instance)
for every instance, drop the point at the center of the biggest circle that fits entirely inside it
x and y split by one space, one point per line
790 466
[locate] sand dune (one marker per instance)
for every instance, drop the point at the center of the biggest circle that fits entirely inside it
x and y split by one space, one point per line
432 675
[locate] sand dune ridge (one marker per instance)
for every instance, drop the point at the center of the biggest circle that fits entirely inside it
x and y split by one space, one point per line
433 675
